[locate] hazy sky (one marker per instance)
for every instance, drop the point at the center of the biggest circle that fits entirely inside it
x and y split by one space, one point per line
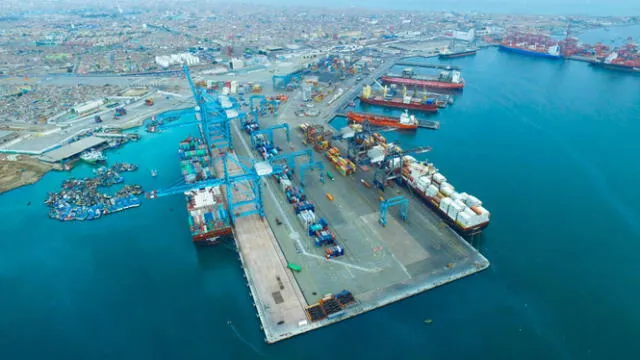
587 7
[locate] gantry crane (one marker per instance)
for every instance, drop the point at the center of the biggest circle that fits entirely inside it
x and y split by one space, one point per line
394 201
257 103
290 158
309 167
390 168
281 82
213 121
269 133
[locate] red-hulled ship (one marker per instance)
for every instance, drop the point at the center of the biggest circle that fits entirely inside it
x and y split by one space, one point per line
446 80
404 102
405 121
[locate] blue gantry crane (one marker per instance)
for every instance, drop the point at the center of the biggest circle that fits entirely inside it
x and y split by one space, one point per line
250 178
400 201
290 158
213 121
309 167
281 82
257 103
213 117
269 133
390 168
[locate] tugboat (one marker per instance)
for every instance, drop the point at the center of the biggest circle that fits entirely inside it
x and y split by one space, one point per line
92 156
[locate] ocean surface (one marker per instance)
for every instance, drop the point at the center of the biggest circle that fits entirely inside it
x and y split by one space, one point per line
551 148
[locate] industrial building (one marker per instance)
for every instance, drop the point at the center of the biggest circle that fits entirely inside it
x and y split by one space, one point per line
72 150
87 108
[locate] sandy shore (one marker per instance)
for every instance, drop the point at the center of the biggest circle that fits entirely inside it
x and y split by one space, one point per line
16 171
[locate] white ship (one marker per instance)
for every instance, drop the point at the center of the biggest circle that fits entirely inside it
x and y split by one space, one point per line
92 156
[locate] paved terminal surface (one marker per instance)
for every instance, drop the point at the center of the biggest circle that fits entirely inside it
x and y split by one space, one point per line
381 264
276 294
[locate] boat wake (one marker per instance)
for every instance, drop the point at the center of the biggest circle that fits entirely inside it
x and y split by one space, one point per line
235 331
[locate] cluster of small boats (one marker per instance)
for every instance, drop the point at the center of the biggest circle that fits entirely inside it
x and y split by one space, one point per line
80 199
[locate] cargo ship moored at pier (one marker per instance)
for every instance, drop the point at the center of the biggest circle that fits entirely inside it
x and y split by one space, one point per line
209 221
405 121
537 45
629 62
404 102
448 81
463 212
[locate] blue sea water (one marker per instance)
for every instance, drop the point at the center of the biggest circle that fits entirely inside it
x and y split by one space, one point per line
549 146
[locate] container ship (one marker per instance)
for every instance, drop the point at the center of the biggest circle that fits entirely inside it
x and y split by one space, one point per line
463 212
209 220
451 80
626 58
405 121
404 102
532 45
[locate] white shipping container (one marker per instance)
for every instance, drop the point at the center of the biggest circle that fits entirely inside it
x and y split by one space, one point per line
431 190
303 220
473 201
469 212
460 203
439 178
454 196
475 220
464 219
425 179
453 210
444 204
284 184
447 188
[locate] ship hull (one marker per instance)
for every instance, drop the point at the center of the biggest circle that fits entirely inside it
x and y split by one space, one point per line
529 52
213 237
380 121
457 54
399 105
432 84
92 161
427 200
